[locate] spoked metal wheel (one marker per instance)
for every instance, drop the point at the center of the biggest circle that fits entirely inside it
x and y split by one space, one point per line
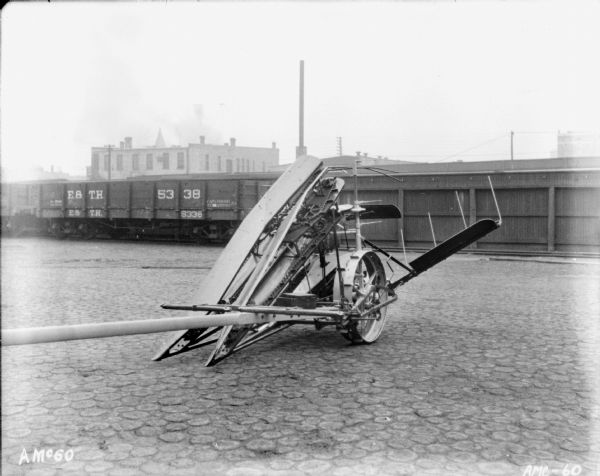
365 287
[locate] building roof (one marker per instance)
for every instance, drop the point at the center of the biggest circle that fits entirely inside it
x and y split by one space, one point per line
495 166
488 166
348 160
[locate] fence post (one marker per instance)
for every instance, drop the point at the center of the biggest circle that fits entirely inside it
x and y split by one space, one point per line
472 212
551 218
401 220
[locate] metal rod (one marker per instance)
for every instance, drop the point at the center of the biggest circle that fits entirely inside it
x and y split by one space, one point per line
432 232
385 253
379 306
361 299
461 209
377 170
357 209
495 201
340 270
404 279
286 311
403 247
264 335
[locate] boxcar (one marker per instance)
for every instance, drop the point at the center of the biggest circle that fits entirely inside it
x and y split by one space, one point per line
198 208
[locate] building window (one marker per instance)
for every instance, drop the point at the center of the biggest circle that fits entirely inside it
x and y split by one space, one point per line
206 162
264 167
229 164
106 162
180 160
219 164
95 162
237 165
119 161
135 162
165 160
253 166
247 165
149 163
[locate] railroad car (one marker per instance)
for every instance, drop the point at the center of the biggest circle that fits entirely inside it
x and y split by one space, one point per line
198 208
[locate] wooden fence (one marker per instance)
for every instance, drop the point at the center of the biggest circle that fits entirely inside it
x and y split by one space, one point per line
550 211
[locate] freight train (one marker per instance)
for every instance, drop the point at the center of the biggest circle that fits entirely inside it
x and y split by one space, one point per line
202 208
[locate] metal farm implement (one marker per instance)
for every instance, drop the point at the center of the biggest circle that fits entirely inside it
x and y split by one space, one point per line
284 266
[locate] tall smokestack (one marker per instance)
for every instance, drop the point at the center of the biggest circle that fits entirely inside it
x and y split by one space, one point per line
301 149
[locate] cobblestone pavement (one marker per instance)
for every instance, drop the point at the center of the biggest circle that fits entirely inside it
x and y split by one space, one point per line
485 367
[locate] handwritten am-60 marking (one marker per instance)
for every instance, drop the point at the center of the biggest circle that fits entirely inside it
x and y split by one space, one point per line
191 213
45 455
545 470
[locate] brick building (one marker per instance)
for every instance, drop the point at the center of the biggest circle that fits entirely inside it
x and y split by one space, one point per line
125 161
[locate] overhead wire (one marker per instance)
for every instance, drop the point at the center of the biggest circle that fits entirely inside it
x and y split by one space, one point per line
474 147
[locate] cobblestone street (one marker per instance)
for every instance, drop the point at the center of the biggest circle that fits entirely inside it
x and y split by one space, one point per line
486 367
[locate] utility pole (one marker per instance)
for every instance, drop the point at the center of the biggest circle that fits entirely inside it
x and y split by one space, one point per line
512 135
339 146
301 149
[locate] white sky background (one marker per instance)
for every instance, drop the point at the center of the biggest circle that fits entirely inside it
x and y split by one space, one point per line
408 81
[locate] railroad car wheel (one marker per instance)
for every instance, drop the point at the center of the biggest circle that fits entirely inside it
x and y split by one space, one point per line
117 233
57 230
365 284
88 231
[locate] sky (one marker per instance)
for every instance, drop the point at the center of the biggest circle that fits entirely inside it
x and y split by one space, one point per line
432 81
